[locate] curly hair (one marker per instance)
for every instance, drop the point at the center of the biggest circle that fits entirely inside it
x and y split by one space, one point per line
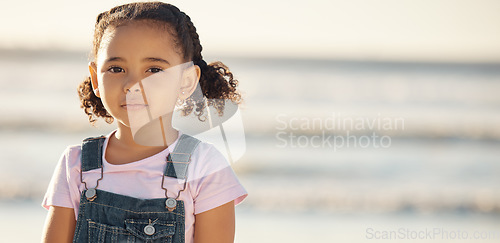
216 81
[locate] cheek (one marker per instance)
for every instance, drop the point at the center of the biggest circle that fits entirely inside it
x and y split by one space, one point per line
161 86
161 95
161 101
109 84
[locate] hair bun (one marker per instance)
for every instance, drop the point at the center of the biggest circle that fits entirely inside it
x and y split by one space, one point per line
201 63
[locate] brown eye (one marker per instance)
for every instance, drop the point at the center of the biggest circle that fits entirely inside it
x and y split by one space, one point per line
155 70
115 69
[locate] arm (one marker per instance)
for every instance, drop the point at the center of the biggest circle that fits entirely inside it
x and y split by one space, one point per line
215 225
59 225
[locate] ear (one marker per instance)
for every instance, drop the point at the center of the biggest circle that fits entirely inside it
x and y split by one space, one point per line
190 79
93 78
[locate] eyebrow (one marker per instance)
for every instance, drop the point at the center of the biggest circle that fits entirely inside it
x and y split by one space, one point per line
147 59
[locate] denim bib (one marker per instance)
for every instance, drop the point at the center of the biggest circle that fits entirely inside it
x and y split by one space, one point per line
109 217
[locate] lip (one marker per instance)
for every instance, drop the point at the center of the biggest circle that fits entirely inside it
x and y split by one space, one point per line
134 107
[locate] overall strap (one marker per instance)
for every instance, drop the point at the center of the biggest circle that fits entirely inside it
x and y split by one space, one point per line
92 153
179 159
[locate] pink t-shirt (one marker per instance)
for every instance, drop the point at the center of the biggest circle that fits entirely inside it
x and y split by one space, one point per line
211 181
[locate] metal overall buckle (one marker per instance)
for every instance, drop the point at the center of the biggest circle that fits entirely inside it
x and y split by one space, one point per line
171 203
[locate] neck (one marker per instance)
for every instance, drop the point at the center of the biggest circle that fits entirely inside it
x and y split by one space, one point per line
151 136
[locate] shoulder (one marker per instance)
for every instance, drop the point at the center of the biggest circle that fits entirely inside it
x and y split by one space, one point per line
71 156
207 159
208 151
75 150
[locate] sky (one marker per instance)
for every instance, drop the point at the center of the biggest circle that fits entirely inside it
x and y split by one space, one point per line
431 30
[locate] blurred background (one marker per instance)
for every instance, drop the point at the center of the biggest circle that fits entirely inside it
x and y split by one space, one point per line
411 89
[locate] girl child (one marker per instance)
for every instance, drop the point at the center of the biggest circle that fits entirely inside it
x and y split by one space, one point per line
115 189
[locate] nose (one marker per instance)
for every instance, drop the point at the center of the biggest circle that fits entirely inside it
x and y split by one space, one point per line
135 88
132 85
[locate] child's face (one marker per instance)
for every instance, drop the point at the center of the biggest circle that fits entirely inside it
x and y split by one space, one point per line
128 56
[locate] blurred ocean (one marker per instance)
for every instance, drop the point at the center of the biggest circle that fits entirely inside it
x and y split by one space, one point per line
441 169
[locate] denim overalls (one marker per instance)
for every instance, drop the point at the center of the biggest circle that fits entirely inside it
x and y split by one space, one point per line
109 217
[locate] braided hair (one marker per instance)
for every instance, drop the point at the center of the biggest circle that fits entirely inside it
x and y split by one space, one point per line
216 81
